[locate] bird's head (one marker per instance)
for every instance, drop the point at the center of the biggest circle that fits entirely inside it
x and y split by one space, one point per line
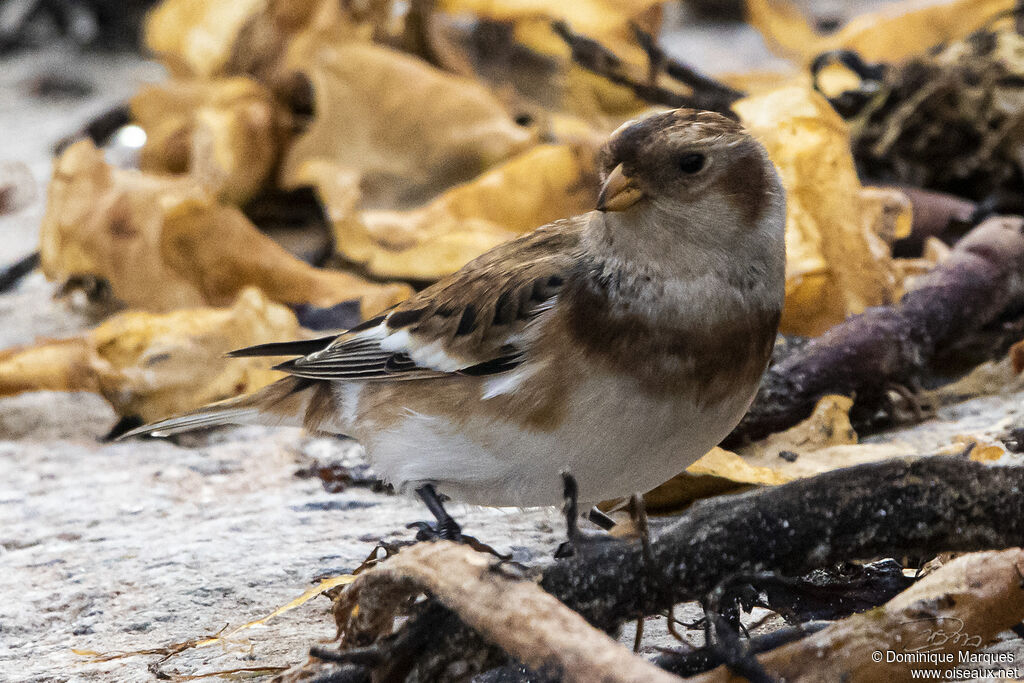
684 159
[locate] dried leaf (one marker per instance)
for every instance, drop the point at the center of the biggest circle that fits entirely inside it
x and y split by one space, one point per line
161 243
150 366
887 212
977 448
591 17
891 34
828 425
54 365
836 262
580 92
198 37
202 39
541 185
718 472
425 131
227 133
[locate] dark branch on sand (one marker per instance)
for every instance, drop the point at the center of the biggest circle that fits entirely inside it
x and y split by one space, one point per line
867 354
11 275
895 508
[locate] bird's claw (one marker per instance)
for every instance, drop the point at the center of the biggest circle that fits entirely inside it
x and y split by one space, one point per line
446 530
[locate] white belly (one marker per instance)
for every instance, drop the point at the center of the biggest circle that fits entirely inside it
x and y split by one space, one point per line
615 442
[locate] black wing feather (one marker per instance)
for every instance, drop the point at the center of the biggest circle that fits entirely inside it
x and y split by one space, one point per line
301 347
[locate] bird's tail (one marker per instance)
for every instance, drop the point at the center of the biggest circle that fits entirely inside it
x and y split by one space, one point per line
292 402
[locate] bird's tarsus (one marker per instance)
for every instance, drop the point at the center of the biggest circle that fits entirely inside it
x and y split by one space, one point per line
446 528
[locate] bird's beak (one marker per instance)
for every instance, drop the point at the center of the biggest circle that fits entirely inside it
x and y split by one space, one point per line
619 192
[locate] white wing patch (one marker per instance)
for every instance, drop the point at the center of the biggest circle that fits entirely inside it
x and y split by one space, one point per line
506 383
431 356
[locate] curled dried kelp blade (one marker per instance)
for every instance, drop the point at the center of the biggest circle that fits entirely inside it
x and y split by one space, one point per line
593 17
425 131
891 34
544 184
151 365
836 262
198 36
161 243
208 39
225 133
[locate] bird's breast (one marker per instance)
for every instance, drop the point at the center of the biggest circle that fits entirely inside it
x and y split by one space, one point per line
714 341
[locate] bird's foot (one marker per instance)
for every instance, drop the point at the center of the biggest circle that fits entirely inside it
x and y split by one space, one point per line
446 530
425 531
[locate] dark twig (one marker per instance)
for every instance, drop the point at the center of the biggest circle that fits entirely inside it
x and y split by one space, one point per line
13 274
704 659
570 510
100 129
594 57
887 509
683 73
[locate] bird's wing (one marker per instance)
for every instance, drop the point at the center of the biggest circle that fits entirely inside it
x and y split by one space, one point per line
471 322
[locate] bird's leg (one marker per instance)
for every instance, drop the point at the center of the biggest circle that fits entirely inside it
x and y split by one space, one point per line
576 537
446 529
638 513
570 508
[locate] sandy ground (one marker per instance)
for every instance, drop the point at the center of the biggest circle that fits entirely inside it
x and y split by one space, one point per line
140 544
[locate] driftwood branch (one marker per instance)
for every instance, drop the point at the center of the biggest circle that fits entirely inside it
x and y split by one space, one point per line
892 345
497 601
957 609
896 508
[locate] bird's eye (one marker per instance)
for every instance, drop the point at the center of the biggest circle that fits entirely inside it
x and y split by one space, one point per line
691 163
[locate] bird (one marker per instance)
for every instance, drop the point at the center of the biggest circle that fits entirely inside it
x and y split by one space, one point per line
619 345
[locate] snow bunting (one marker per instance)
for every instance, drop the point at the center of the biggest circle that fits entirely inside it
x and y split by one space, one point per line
618 346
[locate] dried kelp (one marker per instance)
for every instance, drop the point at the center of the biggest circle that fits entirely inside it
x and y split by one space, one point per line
951 121
892 34
149 366
161 242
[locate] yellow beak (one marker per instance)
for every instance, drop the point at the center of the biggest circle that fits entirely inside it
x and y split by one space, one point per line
619 192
